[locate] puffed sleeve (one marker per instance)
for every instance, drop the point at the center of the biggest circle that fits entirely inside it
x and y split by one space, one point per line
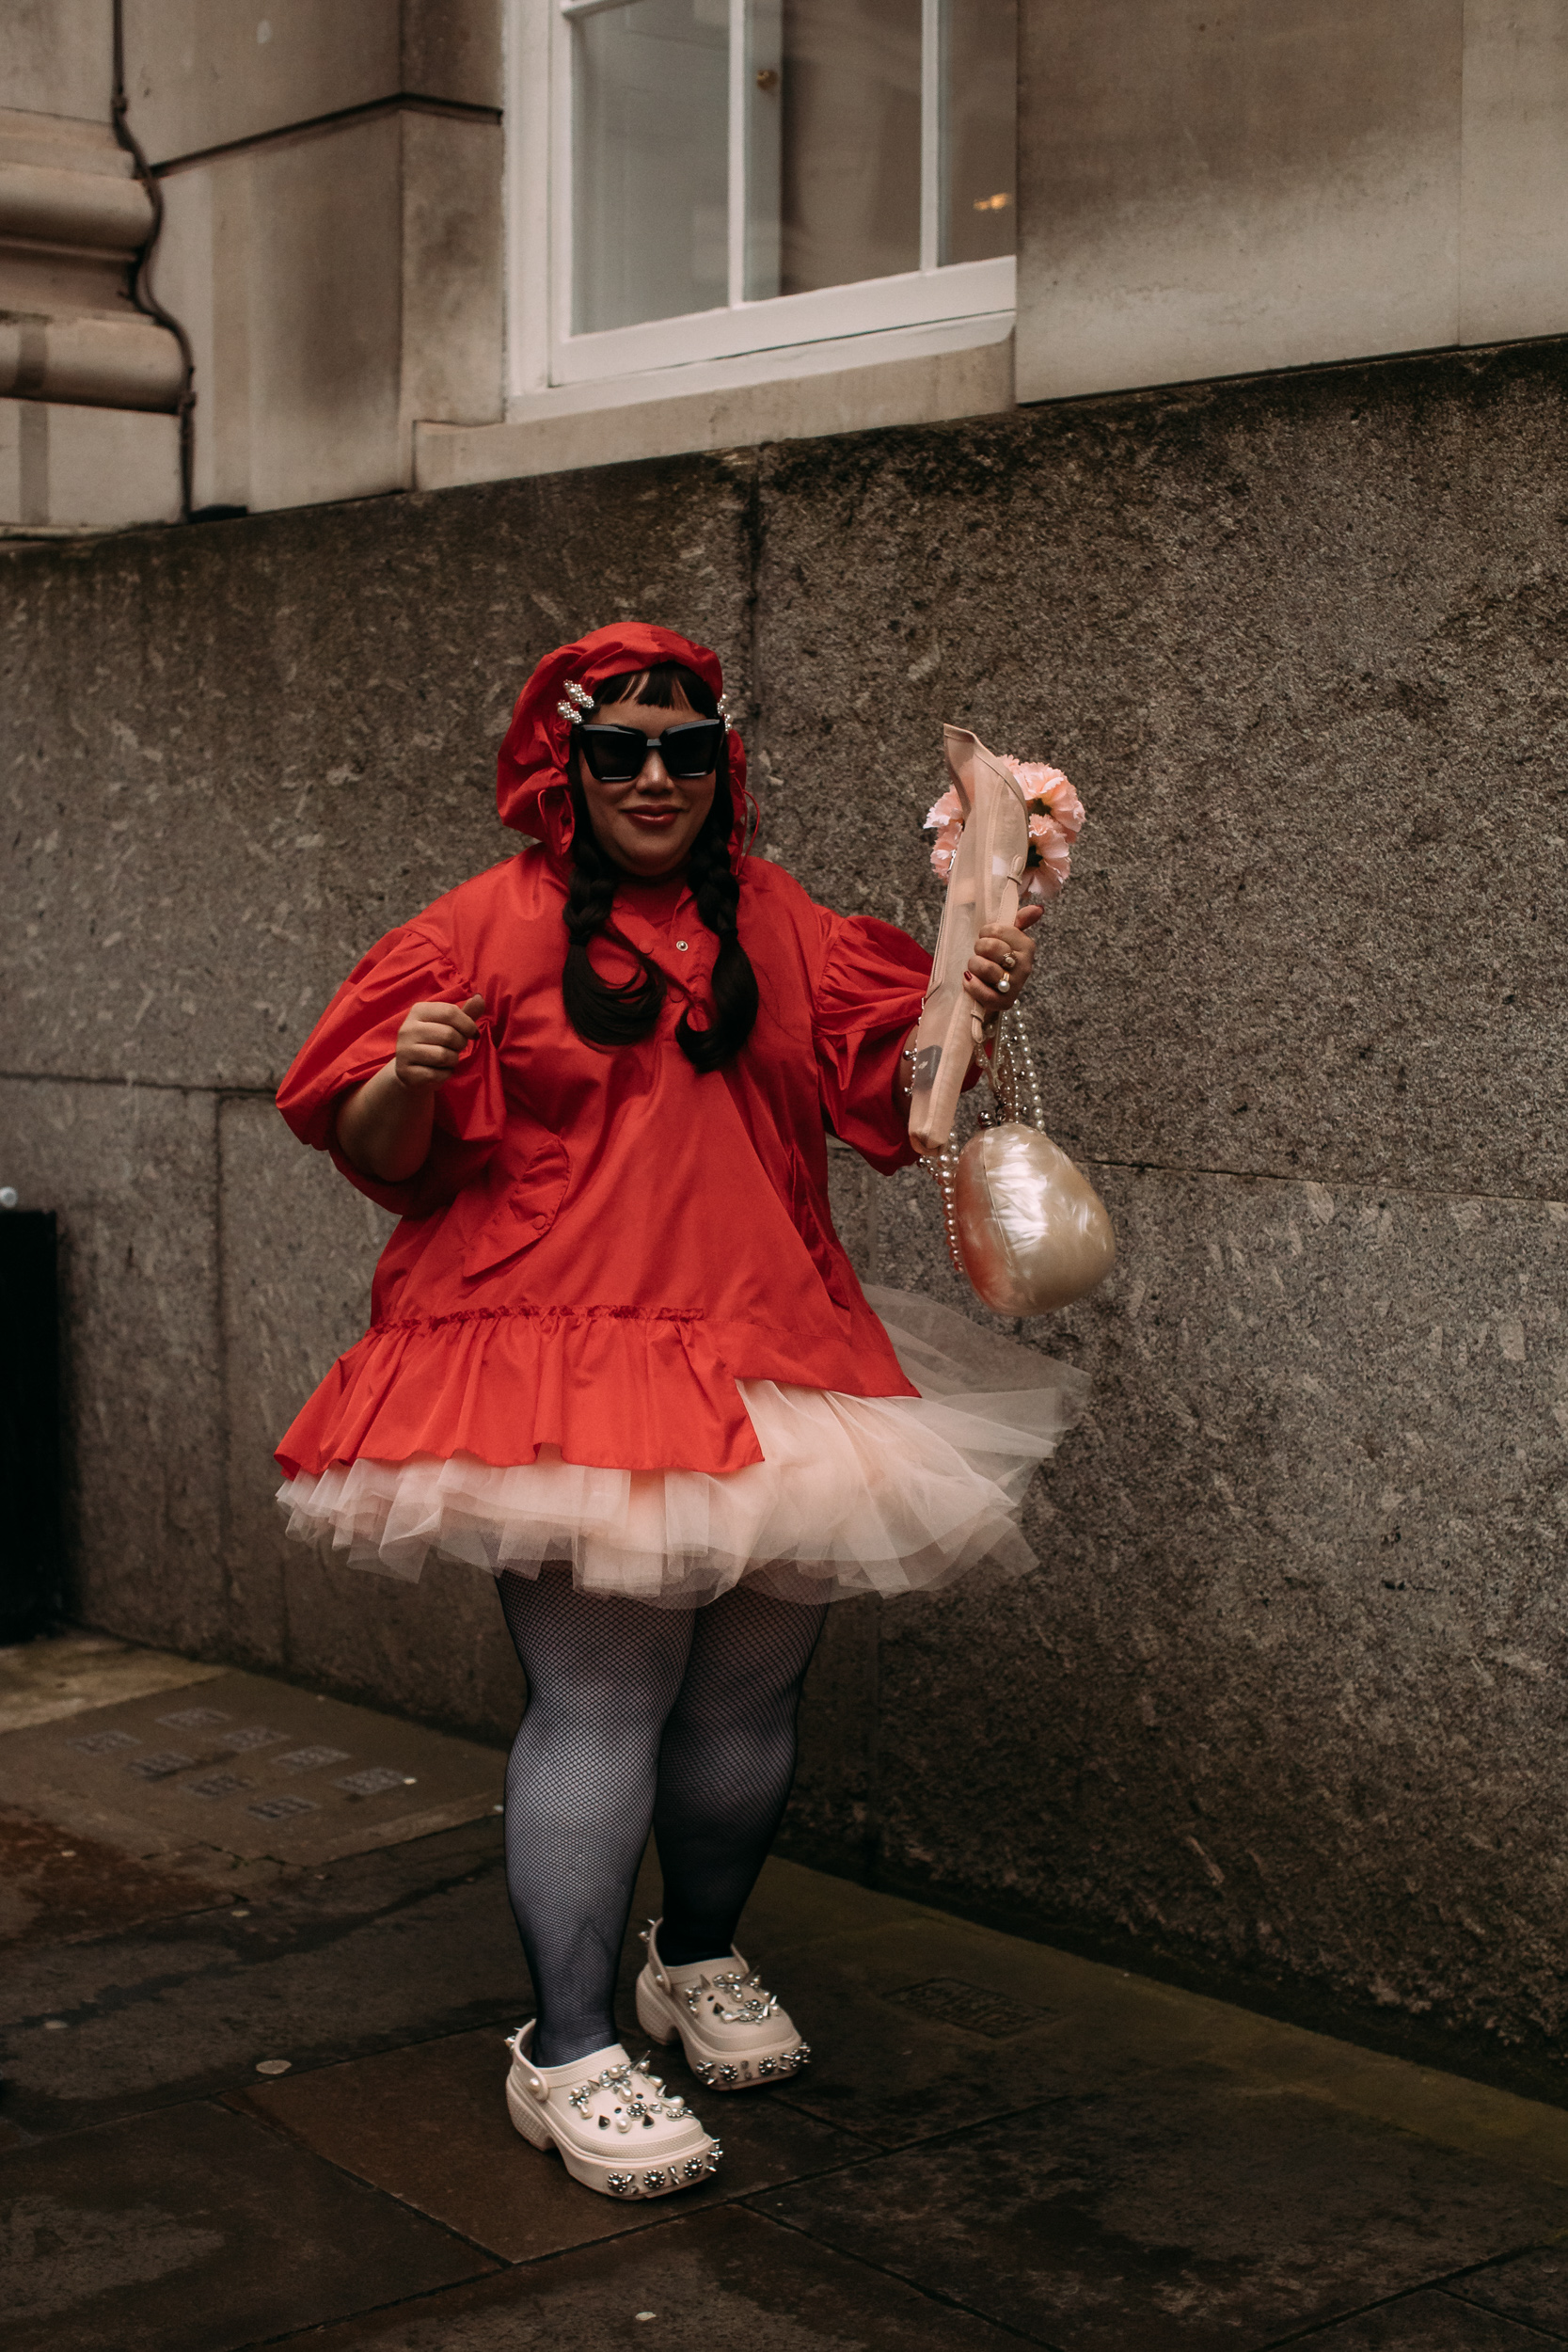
868 999
356 1035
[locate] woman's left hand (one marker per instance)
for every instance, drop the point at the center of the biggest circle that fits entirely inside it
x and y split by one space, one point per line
998 971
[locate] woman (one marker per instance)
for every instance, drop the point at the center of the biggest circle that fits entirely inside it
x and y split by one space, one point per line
618 1357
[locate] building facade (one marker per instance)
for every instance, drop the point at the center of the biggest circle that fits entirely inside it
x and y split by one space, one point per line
1174 391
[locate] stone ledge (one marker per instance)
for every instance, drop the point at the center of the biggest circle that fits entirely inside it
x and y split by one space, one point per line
927 375
67 468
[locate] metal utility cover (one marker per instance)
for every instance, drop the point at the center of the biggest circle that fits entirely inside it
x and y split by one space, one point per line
263 1773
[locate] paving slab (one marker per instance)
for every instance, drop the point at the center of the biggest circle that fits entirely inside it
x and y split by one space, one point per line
726 2280
997 2141
1533 2287
1178 2213
864 1956
245 1771
57 1883
372 1952
65 1672
918 2027
1432 2322
196 2230
430 2125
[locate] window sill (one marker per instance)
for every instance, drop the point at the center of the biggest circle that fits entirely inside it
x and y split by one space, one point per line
904 375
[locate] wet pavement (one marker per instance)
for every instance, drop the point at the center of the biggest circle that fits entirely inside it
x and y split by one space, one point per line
252 2092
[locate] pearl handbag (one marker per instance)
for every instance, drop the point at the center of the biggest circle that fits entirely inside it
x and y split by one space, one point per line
1025 1225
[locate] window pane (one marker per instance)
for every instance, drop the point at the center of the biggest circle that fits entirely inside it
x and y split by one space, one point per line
649 154
979 206
849 168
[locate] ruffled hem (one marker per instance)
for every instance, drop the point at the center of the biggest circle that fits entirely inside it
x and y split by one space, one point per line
852 1495
602 1386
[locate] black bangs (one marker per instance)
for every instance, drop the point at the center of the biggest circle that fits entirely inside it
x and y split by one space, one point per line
658 688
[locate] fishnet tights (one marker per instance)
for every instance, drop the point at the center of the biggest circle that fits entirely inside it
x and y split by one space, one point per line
681 1719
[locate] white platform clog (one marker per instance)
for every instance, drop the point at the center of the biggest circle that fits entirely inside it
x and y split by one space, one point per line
617 2129
735 2035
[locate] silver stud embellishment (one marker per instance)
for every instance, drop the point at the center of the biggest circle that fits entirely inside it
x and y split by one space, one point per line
627 2104
618 2183
651 2180
736 2001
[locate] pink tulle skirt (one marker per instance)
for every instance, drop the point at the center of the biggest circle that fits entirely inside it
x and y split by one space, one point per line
854 1495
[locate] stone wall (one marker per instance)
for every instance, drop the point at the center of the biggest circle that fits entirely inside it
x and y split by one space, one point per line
1283 1704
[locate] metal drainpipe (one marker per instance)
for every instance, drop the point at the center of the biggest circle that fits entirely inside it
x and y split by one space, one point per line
142 296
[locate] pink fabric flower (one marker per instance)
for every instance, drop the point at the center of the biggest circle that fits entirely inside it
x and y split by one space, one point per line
1055 820
1049 855
945 818
1048 793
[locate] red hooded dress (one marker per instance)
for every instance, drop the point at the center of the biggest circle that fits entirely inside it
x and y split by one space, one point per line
615 1325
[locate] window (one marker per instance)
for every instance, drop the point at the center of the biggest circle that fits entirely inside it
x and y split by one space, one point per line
722 177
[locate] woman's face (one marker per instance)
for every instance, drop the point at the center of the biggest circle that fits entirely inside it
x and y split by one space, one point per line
647 826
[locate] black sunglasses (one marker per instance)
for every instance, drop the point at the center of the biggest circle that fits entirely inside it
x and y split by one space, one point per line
618 754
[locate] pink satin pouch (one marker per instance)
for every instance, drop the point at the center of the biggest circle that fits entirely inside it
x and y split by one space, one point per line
983 892
1025 1225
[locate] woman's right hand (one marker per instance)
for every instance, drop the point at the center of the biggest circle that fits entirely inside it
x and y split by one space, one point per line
432 1040
385 1126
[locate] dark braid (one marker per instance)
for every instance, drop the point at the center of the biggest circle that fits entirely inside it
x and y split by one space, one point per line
605 1012
716 890
609 1013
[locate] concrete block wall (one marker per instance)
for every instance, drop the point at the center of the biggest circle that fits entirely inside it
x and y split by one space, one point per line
1283 1703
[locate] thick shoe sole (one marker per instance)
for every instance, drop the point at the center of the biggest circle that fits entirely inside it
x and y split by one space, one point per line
715 2069
621 2182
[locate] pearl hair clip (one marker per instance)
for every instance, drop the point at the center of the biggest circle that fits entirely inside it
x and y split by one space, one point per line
583 700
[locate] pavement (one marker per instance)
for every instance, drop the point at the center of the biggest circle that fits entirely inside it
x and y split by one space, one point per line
259 1963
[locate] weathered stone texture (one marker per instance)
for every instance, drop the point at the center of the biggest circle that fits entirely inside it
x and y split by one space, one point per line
132 1174
1300 646
1287 1686
299 1250
1285 1696
237 753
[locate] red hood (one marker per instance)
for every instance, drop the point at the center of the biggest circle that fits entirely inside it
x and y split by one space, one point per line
531 789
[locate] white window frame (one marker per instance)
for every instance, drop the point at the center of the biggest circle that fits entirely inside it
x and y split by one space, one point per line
541 353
